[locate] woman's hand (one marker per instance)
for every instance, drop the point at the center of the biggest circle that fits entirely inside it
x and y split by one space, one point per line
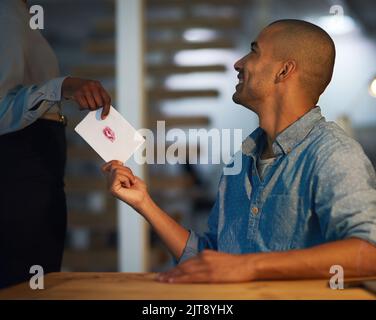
125 186
89 94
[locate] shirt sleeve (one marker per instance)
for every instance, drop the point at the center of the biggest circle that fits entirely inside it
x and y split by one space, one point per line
24 105
197 242
345 195
21 105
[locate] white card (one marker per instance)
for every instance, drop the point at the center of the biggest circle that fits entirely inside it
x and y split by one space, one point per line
112 138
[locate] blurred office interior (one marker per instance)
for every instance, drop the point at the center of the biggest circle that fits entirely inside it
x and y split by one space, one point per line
172 60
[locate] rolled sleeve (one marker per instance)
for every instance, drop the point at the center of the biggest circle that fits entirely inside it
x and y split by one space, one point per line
22 106
346 195
191 247
51 90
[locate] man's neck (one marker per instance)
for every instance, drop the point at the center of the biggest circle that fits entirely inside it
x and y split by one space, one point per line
267 152
274 120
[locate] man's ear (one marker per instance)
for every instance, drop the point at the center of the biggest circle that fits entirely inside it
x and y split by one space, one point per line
287 69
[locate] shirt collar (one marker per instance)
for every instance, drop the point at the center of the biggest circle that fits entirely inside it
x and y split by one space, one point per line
287 139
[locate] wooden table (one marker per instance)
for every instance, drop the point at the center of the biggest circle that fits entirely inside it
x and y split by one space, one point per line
143 286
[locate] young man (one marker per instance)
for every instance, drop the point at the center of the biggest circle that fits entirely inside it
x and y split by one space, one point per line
305 199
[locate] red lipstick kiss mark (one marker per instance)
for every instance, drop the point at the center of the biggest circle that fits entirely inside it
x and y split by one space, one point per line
109 134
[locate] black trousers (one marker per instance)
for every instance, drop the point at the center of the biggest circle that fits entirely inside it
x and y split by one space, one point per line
32 200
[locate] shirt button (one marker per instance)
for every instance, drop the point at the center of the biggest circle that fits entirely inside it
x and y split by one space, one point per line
255 210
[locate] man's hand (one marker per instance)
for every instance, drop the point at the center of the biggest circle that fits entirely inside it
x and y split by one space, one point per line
124 185
132 190
211 267
89 94
356 256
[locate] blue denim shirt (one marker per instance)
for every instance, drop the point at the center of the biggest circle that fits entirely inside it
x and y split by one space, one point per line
320 188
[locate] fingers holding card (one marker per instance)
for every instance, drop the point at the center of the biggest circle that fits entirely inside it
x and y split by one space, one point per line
112 138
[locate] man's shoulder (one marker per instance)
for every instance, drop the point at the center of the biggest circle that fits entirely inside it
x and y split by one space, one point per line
329 137
331 146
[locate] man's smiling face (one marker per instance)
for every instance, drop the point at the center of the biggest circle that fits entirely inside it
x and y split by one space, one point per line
256 73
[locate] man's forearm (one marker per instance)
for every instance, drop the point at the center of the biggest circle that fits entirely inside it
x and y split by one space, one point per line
172 234
357 257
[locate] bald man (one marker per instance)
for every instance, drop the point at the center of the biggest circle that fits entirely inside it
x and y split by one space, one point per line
305 199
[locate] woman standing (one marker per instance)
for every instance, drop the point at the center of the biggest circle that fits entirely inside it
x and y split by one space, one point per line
33 146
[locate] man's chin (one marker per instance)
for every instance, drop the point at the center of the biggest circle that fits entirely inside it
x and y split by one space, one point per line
236 98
